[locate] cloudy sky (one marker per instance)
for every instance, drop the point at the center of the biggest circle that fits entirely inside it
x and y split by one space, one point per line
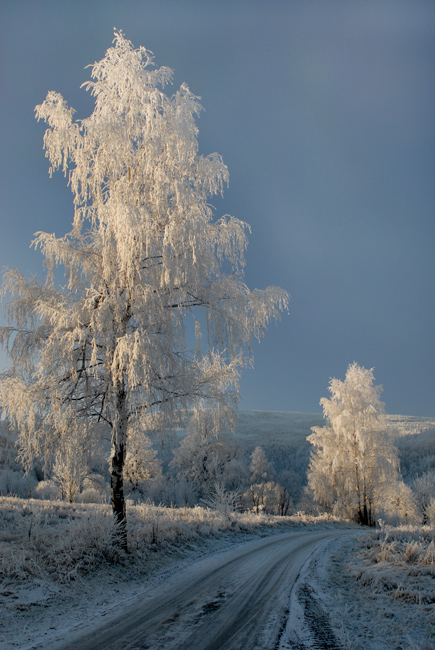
323 112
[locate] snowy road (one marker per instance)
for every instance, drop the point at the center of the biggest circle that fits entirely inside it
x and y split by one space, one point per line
231 600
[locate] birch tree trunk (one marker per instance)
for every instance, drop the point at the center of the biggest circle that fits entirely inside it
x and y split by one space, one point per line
118 462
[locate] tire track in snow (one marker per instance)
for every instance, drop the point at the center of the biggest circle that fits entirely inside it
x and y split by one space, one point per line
238 599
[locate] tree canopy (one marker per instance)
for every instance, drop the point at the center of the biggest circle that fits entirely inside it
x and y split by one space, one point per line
154 315
354 459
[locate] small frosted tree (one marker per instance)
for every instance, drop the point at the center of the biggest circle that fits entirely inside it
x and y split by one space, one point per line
269 497
70 468
424 491
142 467
75 456
143 261
261 469
204 458
397 504
354 458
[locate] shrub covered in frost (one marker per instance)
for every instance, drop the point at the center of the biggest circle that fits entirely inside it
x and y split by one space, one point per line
16 483
46 538
90 495
47 491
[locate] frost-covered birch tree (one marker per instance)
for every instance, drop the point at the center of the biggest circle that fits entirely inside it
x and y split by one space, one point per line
145 261
205 458
354 459
261 469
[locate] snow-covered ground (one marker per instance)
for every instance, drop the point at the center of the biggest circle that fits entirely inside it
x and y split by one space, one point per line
368 591
374 591
59 569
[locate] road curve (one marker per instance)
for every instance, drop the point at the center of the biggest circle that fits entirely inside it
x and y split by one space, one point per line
228 601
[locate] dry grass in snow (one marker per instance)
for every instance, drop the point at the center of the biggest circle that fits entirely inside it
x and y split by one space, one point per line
383 590
53 540
401 562
63 542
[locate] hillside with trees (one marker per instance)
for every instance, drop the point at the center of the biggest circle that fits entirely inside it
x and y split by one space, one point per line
167 468
123 383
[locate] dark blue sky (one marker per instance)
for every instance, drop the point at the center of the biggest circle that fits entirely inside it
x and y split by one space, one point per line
323 112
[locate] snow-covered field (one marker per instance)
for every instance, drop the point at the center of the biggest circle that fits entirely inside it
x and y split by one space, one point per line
391 576
370 592
59 568
59 564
